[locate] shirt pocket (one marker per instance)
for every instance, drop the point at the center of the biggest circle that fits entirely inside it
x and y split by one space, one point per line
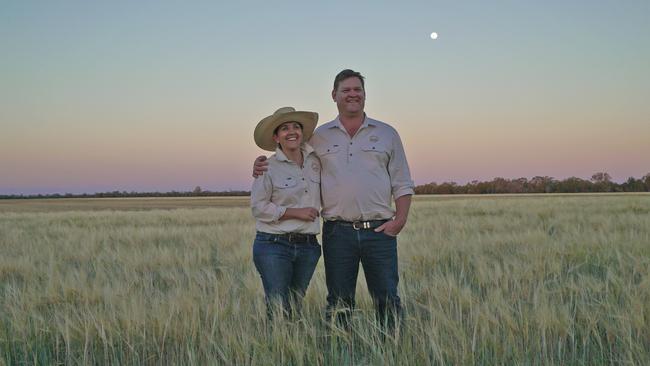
330 155
328 151
285 182
376 151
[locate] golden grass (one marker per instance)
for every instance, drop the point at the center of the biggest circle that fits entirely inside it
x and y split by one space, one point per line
489 280
124 204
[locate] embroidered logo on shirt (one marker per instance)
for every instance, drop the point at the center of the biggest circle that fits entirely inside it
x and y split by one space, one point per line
315 166
374 138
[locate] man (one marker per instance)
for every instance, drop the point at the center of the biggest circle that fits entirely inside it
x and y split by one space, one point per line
363 167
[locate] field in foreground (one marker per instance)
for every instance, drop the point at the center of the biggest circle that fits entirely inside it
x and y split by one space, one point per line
485 280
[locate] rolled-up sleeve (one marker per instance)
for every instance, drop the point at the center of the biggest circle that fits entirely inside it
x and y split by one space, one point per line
263 209
398 169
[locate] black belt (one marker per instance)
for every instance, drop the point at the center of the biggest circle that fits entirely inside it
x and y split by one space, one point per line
360 225
294 237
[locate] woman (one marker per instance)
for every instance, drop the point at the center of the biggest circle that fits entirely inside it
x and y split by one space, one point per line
285 203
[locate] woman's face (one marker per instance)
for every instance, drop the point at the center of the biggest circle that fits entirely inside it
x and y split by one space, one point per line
289 135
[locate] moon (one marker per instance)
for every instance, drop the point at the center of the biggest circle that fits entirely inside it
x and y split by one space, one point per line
434 35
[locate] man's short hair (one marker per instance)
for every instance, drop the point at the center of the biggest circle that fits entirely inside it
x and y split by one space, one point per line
346 74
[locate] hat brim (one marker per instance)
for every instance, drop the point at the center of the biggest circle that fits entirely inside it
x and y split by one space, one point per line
263 134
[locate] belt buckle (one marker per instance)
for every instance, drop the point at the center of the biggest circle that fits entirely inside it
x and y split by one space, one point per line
296 237
363 225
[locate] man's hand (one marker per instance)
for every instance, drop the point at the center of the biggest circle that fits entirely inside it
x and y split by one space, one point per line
304 214
391 227
260 166
394 226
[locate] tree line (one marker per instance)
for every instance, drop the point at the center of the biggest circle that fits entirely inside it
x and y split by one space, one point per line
599 182
196 192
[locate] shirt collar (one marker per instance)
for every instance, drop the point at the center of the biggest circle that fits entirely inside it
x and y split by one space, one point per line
305 148
367 121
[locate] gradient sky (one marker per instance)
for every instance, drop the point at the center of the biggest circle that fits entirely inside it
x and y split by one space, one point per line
159 96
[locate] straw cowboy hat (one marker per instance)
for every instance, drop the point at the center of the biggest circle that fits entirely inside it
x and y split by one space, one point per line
264 131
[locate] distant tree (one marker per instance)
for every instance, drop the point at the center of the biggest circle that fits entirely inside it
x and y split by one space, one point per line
197 190
425 188
447 188
518 185
646 181
539 184
602 182
633 185
574 185
601 177
500 185
473 187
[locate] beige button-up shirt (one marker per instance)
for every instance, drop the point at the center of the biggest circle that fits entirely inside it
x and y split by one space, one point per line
287 185
361 173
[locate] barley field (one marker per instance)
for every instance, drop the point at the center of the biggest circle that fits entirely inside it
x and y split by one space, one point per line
490 280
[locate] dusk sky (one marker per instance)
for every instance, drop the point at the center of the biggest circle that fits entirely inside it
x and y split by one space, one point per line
164 95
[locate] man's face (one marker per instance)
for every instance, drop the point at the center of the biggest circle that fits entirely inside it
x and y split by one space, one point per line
350 97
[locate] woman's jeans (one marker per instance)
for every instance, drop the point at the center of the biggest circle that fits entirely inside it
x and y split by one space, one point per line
286 267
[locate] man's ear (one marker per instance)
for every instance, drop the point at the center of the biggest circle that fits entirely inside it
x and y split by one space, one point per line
334 95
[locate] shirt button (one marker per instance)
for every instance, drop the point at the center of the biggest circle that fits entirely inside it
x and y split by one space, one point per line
350 142
305 191
350 154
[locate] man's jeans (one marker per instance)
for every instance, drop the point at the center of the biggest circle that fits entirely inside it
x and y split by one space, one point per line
286 269
343 249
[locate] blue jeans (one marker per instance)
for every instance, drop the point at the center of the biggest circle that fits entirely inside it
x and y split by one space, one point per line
286 269
343 249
